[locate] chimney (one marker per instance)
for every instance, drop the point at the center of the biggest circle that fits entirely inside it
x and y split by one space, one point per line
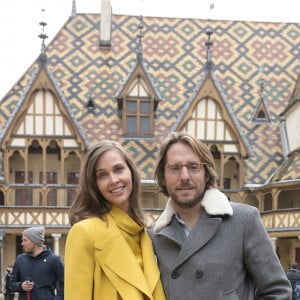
105 24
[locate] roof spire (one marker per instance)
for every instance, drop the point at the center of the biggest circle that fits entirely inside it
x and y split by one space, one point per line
208 44
140 36
43 36
74 12
262 83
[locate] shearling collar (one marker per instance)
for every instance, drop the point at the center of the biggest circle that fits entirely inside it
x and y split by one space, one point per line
214 203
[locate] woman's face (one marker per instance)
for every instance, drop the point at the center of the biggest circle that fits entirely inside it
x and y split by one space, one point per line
114 179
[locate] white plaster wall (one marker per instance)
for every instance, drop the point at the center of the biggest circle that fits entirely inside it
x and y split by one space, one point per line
293 127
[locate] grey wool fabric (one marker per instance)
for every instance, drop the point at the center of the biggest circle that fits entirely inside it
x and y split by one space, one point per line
35 234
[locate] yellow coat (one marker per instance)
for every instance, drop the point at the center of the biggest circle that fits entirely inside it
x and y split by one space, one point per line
99 265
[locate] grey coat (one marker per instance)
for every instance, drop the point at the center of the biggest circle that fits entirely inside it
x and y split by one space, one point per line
226 254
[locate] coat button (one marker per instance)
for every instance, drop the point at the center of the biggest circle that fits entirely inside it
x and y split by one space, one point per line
175 275
198 274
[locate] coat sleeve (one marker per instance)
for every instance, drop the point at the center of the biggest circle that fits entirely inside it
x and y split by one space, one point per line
262 262
79 264
15 279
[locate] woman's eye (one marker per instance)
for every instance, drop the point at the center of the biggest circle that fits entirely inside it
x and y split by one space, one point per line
101 175
119 169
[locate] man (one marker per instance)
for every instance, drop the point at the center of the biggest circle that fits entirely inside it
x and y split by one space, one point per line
207 247
8 294
293 276
37 273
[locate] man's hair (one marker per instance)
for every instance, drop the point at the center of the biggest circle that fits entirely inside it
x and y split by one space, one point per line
197 146
294 265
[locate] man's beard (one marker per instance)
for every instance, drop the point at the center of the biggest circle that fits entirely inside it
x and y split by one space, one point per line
188 204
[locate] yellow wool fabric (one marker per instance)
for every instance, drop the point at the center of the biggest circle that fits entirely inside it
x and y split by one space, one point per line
130 230
101 264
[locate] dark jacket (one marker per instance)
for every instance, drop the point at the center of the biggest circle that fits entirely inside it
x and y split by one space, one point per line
293 276
46 270
7 289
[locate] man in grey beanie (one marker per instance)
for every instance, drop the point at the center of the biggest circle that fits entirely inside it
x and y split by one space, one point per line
35 234
38 273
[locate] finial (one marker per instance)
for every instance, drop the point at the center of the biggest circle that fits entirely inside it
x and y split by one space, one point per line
208 45
140 36
74 12
43 36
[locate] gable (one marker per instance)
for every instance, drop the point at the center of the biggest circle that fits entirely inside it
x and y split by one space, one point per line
41 114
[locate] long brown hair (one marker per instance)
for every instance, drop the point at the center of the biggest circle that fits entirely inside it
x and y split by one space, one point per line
200 149
89 201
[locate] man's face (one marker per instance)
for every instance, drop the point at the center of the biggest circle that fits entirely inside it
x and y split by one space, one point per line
27 244
185 188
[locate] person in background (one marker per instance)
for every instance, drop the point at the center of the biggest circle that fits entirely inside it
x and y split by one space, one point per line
8 293
109 255
208 247
293 276
37 273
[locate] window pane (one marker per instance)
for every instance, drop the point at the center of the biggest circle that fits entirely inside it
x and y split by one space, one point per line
145 124
131 106
131 124
145 107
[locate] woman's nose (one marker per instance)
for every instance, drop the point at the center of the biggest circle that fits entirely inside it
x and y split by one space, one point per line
113 178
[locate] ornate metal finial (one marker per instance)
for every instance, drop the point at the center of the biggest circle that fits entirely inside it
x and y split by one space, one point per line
208 45
43 36
140 37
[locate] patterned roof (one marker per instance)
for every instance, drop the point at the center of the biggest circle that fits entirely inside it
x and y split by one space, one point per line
174 54
289 170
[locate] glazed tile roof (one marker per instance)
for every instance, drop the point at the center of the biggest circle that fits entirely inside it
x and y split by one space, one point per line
289 170
174 54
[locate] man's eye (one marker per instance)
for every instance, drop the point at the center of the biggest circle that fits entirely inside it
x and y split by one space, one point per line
175 167
193 167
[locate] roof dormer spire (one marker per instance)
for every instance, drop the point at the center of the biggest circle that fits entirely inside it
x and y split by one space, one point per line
208 44
262 84
74 12
140 37
43 36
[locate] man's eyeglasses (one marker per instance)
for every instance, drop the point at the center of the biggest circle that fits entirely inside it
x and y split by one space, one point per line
193 168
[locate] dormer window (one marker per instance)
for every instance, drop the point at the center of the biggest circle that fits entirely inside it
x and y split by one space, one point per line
136 109
138 116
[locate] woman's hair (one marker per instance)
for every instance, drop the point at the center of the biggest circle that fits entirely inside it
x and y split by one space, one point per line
88 201
198 147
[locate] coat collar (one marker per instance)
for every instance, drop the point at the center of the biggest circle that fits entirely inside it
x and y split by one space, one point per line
120 265
214 203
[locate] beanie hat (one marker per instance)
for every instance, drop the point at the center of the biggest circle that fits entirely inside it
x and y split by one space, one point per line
35 234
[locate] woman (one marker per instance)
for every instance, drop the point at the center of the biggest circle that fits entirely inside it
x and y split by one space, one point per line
109 254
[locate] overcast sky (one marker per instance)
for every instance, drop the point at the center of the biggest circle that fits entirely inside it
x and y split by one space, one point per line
19 22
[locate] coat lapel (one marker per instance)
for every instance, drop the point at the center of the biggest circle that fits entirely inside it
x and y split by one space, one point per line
151 270
199 236
119 263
